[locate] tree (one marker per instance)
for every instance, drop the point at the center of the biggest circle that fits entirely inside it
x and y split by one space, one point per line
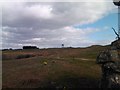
62 45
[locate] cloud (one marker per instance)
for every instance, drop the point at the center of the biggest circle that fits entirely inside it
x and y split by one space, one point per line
50 24
45 38
53 15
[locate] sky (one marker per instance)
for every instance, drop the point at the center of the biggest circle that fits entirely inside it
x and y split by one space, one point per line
51 24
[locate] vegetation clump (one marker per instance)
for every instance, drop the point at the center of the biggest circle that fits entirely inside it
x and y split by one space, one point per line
24 56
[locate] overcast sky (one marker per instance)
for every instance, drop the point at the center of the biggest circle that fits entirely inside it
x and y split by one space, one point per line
50 24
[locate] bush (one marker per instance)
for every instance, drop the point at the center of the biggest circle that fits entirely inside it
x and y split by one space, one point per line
24 56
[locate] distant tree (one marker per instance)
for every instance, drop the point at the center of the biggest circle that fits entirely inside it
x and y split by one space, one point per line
30 47
62 45
10 49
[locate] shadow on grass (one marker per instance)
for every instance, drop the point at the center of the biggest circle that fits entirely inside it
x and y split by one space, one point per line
72 82
61 83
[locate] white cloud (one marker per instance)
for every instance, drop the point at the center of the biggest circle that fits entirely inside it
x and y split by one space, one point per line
38 11
50 24
51 38
55 14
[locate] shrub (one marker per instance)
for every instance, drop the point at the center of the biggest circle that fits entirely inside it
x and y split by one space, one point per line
24 56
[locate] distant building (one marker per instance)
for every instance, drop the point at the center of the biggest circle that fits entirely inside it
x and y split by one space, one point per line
30 47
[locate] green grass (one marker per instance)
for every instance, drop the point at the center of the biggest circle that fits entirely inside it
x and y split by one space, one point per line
65 68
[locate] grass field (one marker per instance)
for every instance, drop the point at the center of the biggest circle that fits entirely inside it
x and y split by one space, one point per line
51 68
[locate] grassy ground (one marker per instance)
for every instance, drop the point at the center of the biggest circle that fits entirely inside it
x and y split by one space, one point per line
51 68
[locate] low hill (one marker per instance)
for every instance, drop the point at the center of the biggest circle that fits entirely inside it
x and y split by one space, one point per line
51 68
89 52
